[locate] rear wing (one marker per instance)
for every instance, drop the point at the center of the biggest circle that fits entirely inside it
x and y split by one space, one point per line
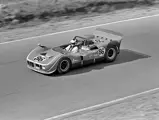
100 32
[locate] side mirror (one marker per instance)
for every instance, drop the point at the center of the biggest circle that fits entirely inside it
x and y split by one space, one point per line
41 45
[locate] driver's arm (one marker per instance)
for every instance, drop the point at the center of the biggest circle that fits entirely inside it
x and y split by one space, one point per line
68 47
75 49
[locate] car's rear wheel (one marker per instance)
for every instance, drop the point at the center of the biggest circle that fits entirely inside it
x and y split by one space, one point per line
110 54
64 65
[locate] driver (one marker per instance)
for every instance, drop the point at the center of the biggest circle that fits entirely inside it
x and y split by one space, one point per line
72 47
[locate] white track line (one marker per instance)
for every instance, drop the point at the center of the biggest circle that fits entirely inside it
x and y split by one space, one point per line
98 106
80 29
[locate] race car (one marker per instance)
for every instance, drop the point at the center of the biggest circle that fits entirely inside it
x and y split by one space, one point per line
101 45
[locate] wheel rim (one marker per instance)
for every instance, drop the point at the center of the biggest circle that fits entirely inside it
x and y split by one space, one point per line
64 66
111 53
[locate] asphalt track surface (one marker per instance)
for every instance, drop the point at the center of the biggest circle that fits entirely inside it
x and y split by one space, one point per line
27 95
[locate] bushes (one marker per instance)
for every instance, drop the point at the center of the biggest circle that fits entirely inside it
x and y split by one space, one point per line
46 9
17 13
150 2
70 7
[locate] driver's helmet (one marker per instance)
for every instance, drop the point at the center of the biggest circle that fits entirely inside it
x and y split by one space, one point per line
73 41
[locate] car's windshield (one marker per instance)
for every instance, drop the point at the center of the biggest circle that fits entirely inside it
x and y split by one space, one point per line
59 49
78 38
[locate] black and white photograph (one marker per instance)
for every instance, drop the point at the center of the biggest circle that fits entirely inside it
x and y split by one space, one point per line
79 59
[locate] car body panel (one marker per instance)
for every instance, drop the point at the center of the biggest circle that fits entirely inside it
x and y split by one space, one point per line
43 56
45 60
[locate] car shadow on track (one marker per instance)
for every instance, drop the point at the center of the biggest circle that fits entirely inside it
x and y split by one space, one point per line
124 57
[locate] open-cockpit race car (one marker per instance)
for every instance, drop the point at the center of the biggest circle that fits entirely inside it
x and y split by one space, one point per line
102 45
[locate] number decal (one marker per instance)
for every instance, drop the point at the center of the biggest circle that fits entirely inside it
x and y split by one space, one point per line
101 51
39 58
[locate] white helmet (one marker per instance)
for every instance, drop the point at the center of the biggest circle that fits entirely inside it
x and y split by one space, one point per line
72 41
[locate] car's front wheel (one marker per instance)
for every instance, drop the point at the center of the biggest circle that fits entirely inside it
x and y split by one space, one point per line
64 65
110 54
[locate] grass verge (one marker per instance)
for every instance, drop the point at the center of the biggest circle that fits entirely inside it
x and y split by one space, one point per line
41 11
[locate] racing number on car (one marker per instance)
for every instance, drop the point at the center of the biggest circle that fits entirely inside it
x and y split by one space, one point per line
101 51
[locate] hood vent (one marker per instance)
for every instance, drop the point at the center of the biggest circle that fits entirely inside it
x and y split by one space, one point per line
44 54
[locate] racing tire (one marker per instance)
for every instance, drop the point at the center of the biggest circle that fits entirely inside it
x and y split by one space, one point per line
110 54
64 65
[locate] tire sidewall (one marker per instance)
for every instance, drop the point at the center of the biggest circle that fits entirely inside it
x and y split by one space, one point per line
60 63
114 49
